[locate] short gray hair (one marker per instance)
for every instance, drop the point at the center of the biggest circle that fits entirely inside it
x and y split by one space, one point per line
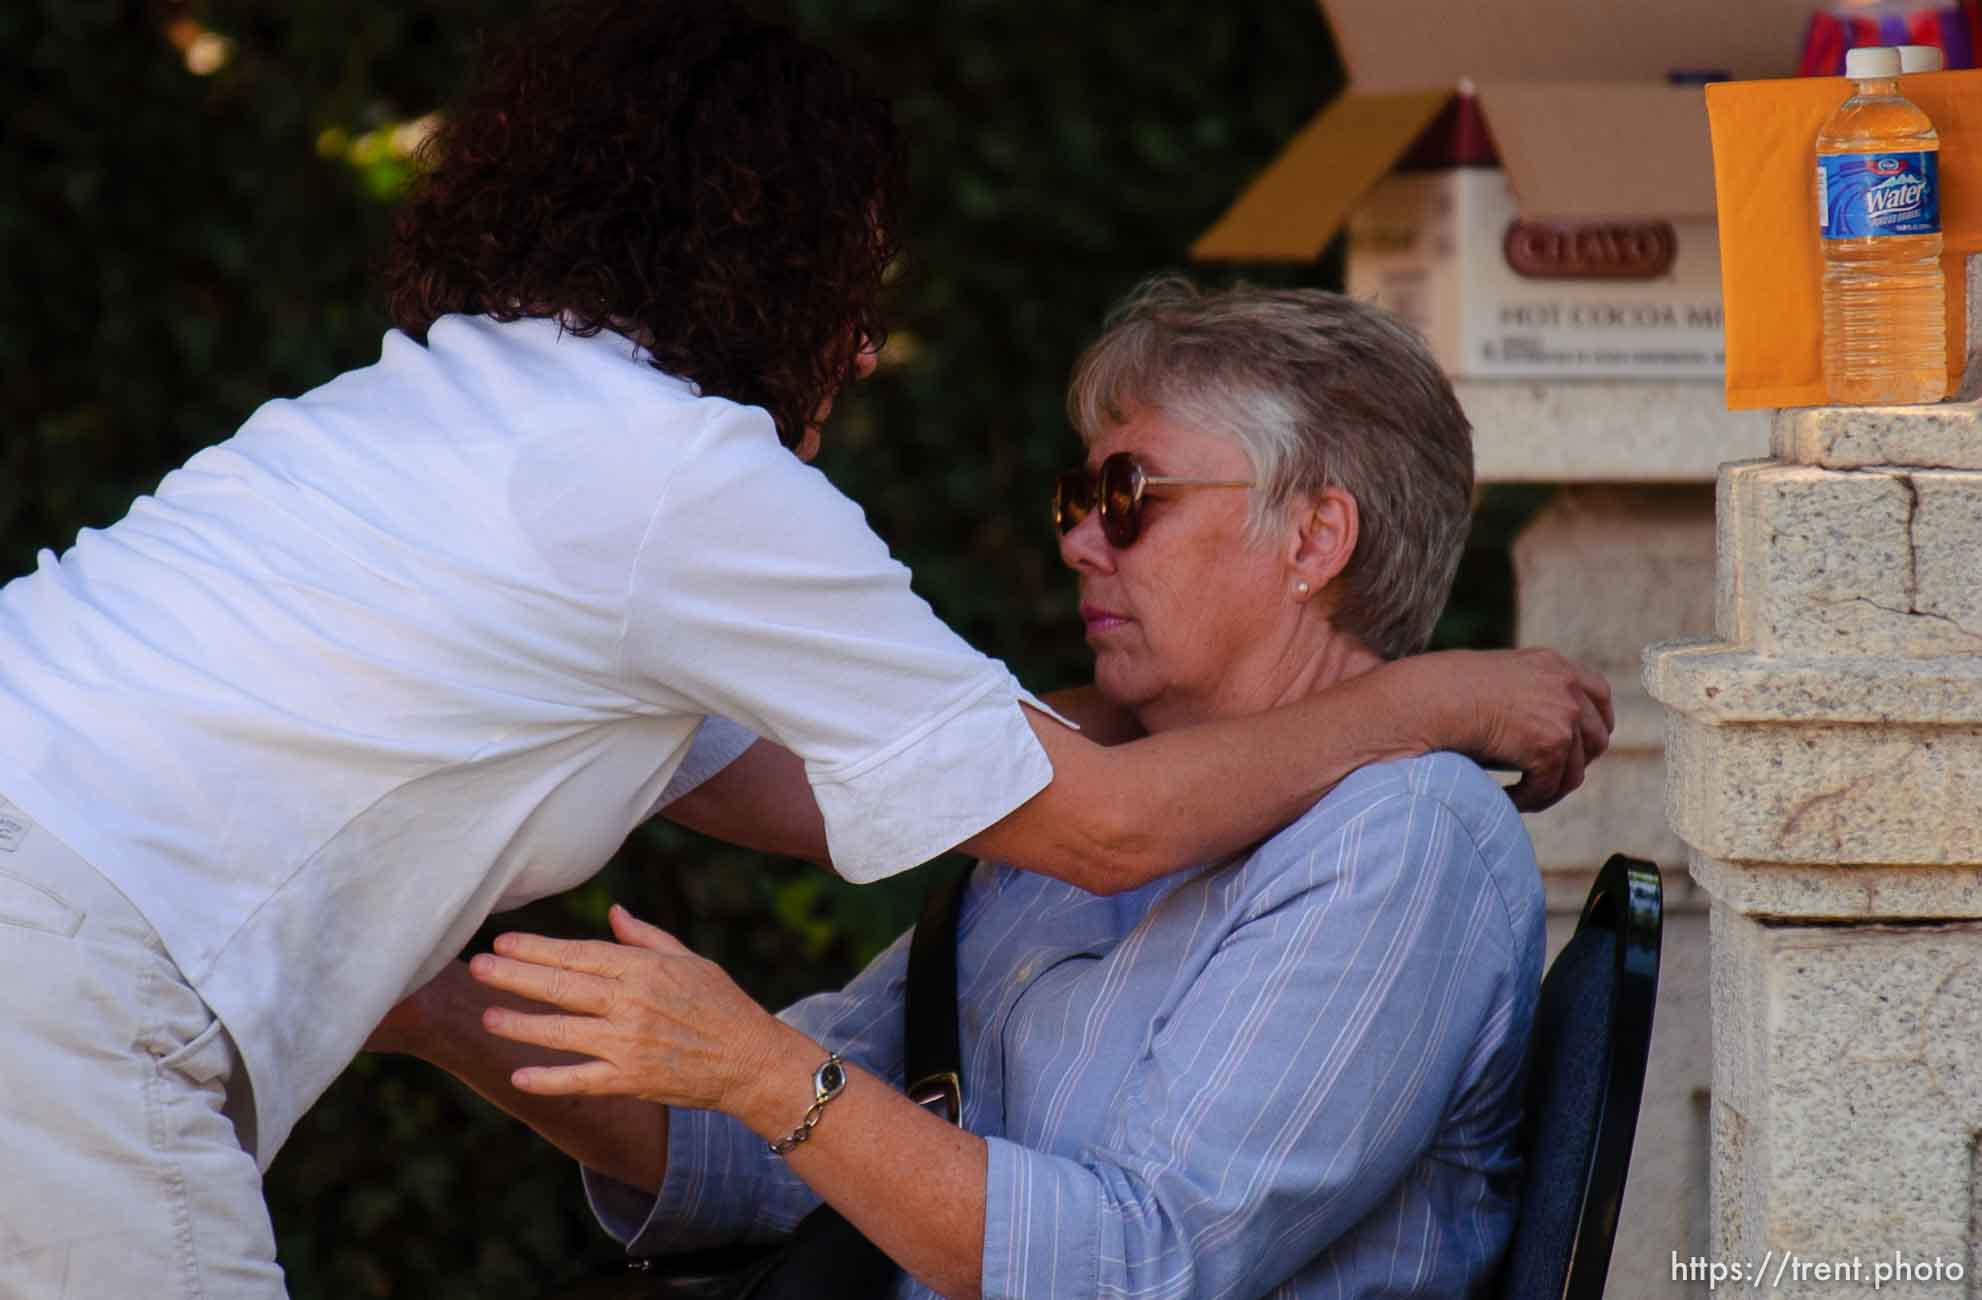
1320 390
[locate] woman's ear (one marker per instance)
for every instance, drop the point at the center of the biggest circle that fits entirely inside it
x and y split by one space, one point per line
1323 540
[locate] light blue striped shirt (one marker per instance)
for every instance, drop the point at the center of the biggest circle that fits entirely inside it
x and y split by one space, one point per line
1296 1074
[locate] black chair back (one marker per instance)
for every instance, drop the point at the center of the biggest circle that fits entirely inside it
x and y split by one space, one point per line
1593 1032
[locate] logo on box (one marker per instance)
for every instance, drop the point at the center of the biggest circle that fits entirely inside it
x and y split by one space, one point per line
1557 250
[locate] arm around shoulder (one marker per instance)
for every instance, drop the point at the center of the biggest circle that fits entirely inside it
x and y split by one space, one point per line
1116 818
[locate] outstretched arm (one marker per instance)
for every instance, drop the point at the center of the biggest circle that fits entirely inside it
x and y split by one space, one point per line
1118 818
764 802
1131 808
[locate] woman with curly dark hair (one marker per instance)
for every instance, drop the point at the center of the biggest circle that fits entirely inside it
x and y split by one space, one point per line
429 640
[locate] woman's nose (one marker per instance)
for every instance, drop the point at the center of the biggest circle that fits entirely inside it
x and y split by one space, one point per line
1084 549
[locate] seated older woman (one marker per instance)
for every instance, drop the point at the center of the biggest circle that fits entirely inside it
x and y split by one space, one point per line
1297 1071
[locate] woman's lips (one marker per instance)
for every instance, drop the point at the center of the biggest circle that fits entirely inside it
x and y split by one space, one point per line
1099 620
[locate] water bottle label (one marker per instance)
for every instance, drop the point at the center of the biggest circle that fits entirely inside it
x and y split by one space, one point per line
1870 194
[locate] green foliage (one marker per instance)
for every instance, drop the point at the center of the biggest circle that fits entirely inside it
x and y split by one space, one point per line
176 248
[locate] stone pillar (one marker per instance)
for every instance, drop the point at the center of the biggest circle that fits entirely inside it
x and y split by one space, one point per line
1825 766
1623 555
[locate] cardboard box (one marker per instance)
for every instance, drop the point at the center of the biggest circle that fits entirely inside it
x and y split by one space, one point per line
1434 247
1590 137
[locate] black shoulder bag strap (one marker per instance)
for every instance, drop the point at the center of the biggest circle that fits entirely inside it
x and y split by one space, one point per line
931 1053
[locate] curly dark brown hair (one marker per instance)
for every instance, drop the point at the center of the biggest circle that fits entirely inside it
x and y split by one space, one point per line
675 170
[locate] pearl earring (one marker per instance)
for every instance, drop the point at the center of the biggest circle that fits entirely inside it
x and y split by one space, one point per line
1300 588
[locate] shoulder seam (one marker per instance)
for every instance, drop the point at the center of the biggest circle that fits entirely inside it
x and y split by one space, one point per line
1493 882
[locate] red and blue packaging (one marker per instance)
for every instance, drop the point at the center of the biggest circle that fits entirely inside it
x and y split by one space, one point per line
1953 28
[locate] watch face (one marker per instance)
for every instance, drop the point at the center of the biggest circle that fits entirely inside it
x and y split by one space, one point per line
832 1077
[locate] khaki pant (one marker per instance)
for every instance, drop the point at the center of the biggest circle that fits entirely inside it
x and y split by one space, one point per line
120 1172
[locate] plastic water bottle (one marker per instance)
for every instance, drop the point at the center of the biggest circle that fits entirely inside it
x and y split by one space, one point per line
1879 215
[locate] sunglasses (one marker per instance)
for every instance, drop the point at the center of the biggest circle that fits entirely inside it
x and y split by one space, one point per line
1116 490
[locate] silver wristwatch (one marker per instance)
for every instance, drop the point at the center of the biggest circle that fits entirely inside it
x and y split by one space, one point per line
828 1081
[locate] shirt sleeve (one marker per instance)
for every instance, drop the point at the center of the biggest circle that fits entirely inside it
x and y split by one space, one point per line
1304 1072
759 594
722 1184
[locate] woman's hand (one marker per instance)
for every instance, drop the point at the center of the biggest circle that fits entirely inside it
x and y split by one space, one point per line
659 1022
1530 709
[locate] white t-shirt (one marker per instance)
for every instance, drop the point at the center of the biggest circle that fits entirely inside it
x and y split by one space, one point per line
430 640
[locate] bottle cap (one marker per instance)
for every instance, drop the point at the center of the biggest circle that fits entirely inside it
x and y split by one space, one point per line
1921 58
1871 62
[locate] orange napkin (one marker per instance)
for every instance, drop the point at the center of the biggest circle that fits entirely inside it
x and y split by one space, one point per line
1765 163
